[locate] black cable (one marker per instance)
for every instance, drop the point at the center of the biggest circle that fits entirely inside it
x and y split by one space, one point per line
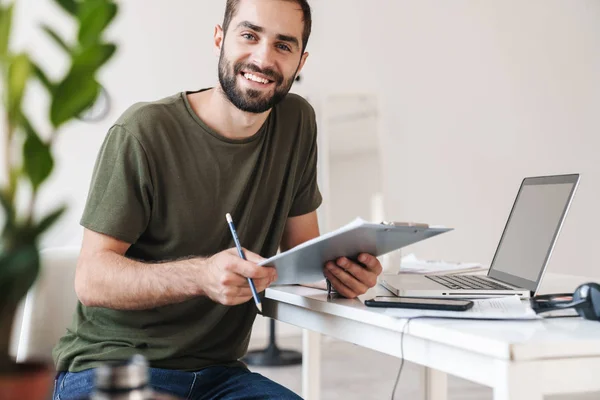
402 333
404 328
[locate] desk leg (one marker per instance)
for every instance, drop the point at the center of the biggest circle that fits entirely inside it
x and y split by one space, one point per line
435 384
518 384
311 365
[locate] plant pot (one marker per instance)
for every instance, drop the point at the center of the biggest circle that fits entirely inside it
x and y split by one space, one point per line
27 381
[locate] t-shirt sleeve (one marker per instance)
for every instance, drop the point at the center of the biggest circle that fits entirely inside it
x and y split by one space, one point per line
308 197
119 202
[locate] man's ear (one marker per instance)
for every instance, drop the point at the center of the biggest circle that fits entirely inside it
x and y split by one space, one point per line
302 61
218 39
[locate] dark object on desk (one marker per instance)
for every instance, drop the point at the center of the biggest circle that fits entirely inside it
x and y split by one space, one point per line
585 300
331 292
272 355
420 303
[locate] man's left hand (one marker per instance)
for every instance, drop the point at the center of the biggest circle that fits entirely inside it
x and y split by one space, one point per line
351 279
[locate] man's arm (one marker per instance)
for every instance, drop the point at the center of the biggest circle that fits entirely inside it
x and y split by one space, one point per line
106 278
299 230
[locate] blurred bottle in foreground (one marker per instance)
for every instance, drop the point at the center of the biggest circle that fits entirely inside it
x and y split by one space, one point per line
128 380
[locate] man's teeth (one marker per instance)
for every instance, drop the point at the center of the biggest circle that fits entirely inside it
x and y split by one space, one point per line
256 78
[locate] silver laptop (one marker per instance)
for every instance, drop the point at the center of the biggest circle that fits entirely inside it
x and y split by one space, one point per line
521 257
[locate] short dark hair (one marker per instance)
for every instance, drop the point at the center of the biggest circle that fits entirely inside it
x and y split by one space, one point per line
232 7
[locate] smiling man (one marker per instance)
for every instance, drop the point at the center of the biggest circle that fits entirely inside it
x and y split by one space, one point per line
158 274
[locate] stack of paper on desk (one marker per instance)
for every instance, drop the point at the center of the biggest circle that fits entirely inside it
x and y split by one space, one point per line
412 265
496 308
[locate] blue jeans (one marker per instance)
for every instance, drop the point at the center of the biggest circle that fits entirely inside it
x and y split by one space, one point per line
209 383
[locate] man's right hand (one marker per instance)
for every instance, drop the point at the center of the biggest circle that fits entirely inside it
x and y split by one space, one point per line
226 276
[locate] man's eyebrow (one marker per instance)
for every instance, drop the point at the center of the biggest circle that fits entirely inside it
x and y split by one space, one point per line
289 39
250 25
285 38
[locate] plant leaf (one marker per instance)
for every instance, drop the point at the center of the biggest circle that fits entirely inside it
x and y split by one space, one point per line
69 6
5 25
13 177
61 43
49 220
94 56
19 69
9 210
74 94
43 78
37 157
94 16
18 270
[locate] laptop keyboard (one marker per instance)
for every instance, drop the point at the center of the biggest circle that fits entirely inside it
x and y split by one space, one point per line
468 282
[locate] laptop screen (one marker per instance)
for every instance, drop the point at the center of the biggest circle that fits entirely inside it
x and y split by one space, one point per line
532 228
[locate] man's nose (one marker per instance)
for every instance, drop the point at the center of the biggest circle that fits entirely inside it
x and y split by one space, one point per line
264 56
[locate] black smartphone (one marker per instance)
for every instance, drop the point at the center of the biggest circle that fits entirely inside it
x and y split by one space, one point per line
420 302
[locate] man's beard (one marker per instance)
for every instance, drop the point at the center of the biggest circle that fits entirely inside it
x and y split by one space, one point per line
250 100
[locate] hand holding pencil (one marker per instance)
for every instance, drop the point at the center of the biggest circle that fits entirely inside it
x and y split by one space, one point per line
243 256
225 280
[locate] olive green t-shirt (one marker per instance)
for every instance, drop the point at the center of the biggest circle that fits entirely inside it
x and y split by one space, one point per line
163 181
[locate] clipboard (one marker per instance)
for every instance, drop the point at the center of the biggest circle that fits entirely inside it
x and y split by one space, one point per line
304 263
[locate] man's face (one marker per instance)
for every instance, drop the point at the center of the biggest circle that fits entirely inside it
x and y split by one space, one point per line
261 53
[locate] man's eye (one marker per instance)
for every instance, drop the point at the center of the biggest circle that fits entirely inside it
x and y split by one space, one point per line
248 36
283 47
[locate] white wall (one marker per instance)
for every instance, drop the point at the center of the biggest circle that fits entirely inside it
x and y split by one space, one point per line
490 92
476 95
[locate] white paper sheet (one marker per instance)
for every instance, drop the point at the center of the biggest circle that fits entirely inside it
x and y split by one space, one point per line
412 265
496 308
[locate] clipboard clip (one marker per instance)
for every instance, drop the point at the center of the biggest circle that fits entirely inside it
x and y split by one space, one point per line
409 224
331 292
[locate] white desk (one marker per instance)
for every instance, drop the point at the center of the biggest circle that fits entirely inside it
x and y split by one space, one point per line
520 360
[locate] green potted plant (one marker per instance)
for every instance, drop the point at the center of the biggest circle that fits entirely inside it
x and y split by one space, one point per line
27 160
